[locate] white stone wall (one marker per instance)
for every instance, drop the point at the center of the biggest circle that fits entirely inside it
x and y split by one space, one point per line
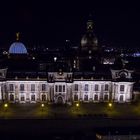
86 91
122 96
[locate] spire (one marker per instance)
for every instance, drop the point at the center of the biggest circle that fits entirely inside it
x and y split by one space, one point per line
17 36
90 24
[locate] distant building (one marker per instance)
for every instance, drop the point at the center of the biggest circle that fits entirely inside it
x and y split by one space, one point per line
64 76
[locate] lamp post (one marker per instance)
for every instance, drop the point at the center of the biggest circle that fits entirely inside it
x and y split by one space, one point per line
5 107
110 105
77 105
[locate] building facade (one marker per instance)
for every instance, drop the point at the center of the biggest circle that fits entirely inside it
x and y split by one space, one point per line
66 76
63 88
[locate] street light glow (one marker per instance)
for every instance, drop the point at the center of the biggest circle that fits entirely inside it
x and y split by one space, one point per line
77 104
5 105
110 104
42 105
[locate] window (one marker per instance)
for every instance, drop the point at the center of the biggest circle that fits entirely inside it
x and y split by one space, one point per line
32 87
76 87
85 97
75 97
11 97
121 98
96 87
43 87
32 97
43 97
60 88
22 98
106 97
11 87
56 88
121 87
96 97
106 87
21 87
86 87
63 88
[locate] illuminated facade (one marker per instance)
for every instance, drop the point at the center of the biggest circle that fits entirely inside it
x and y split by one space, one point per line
64 77
63 88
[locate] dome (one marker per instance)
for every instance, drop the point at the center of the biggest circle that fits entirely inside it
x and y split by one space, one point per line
17 48
89 41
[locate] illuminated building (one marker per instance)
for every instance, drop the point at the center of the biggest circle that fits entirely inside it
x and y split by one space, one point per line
65 77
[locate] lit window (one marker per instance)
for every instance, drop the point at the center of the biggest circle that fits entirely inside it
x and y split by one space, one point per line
11 87
21 87
32 87
121 87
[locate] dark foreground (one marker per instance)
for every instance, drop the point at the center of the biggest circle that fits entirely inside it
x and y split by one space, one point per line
69 129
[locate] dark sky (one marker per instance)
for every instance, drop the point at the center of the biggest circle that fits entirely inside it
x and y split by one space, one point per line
51 23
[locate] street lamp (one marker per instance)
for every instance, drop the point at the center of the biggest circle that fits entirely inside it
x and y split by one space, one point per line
55 58
5 105
110 105
42 105
77 105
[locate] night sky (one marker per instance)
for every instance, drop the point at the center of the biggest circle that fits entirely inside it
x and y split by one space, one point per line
51 23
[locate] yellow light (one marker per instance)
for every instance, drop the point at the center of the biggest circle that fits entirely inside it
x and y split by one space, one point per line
42 105
77 104
5 105
110 104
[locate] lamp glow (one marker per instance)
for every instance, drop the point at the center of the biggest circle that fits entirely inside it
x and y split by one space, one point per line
110 104
42 105
6 105
77 104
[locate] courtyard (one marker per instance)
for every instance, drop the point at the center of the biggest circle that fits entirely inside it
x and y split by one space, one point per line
76 110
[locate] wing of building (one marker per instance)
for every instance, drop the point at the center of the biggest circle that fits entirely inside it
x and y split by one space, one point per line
64 76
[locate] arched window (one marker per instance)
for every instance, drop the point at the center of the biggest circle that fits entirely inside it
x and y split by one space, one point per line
121 98
22 98
11 97
96 97
85 97
43 97
32 97
75 97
